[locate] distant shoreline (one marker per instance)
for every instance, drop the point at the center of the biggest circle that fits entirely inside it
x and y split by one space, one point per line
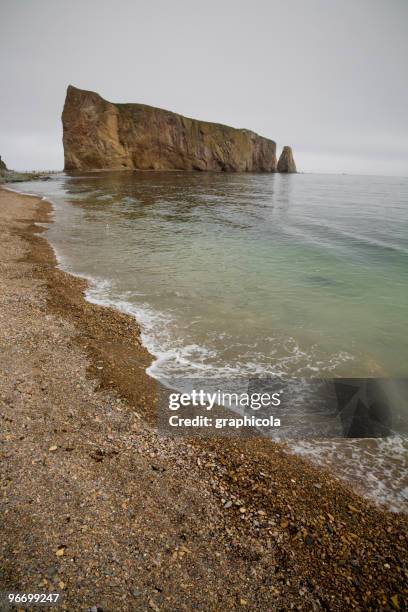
17 176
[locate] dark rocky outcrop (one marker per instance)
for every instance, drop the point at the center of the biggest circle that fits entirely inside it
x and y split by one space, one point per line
3 166
100 135
286 162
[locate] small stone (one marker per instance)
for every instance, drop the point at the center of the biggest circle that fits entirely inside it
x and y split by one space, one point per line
60 551
228 504
53 448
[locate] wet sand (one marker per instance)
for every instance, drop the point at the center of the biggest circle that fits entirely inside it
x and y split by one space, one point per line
97 505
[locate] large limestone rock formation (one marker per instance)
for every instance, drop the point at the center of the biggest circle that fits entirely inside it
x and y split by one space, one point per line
286 162
3 166
101 135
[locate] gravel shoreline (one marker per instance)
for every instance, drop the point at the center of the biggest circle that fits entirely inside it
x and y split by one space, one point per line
97 505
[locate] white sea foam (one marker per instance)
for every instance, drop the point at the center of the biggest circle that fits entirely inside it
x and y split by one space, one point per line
377 467
34 195
176 359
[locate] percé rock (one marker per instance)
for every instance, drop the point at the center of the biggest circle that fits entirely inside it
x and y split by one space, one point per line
3 166
286 162
101 135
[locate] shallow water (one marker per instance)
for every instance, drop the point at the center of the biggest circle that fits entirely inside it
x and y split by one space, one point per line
239 275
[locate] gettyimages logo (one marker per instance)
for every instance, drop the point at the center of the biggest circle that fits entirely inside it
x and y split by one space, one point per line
291 409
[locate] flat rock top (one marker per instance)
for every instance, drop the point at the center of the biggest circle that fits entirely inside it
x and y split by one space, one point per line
98 134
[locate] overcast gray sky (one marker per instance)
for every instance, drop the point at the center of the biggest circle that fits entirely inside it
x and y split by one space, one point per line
328 77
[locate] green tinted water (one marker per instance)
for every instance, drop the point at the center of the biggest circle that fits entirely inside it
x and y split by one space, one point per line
247 274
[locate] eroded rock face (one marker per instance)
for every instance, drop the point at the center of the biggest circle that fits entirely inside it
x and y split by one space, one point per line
99 135
286 162
3 166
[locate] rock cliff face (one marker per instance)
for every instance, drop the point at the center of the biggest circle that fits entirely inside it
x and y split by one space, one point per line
3 166
286 162
101 135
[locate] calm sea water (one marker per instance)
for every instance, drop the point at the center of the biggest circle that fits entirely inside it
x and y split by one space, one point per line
237 275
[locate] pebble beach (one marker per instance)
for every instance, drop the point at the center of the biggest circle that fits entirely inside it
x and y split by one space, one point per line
98 506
